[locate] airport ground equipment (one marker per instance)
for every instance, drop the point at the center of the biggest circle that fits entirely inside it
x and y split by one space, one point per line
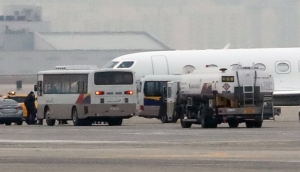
86 95
150 91
243 94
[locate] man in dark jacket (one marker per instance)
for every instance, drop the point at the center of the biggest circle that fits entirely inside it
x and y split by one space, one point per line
31 109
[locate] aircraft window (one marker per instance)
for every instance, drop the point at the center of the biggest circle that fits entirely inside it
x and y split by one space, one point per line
111 64
283 67
260 66
126 64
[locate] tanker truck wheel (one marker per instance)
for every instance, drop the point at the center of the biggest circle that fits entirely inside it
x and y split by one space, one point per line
204 118
249 124
185 124
233 123
257 123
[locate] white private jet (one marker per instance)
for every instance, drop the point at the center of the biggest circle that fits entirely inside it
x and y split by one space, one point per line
282 63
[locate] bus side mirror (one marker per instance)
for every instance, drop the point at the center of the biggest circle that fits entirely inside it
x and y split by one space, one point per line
35 88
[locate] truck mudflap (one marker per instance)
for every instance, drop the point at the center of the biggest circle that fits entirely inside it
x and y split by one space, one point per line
240 111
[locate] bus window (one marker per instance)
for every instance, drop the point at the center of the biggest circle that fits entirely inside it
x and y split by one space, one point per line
126 64
154 88
111 65
113 78
65 84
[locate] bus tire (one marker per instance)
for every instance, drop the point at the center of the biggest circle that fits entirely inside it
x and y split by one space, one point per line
111 122
7 123
19 122
76 121
87 122
50 122
118 121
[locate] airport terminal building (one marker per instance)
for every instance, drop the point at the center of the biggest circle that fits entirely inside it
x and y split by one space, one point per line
27 46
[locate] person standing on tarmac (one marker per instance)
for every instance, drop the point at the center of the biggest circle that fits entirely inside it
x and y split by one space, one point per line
31 109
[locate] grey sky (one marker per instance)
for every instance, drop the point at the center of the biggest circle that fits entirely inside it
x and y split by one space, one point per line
190 24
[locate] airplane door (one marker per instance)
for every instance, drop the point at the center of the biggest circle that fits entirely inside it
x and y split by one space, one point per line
160 65
171 98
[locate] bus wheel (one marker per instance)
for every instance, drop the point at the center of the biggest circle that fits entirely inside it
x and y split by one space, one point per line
50 122
76 121
115 121
20 122
118 121
7 123
87 122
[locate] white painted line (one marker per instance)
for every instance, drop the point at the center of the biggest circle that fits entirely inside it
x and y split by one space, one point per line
64 141
171 142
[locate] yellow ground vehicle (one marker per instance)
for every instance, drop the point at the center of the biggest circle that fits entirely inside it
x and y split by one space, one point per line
20 98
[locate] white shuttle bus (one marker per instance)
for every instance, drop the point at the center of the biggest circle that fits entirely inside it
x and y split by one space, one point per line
150 94
86 94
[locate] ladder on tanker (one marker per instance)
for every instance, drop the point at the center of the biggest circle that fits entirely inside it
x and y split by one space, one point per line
248 81
248 95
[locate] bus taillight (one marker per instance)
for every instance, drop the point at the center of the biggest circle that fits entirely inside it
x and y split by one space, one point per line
141 107
99 92
128 92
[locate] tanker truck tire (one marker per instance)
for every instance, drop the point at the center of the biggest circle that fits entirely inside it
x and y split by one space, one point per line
204 118
258 124
249 124
233 123
185 124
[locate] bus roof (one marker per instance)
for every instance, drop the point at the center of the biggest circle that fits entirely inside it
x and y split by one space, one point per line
63 71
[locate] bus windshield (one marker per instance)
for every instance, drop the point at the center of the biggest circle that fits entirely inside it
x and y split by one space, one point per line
113 78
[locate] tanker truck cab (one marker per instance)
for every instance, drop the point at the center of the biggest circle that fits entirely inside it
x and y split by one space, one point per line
244 94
